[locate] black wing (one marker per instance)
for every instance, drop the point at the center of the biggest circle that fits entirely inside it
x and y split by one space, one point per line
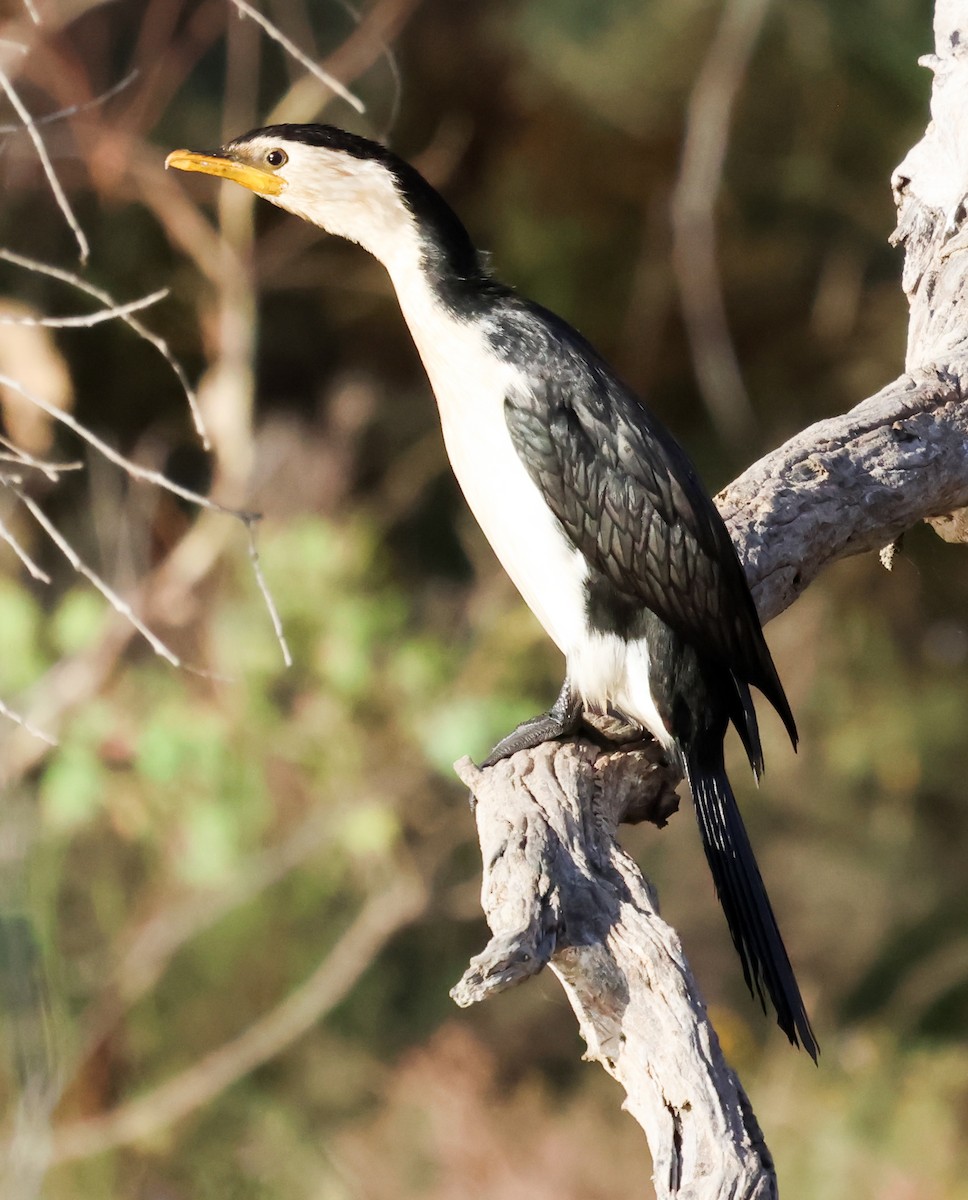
631 501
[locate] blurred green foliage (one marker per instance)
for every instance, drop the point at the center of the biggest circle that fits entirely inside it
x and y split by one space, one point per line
200 840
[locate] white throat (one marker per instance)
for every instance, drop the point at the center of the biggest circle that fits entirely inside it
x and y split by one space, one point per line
471 382
354 199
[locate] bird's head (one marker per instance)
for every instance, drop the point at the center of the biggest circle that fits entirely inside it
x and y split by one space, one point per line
346 184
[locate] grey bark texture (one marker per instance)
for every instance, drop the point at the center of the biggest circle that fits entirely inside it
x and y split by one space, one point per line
557 888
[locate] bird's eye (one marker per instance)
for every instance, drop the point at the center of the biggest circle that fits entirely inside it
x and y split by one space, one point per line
277 158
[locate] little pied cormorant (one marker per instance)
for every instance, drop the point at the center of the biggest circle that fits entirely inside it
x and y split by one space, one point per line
594 510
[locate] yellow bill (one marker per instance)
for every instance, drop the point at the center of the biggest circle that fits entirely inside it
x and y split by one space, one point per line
263 182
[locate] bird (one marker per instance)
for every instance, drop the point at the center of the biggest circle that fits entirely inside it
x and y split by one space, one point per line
592 507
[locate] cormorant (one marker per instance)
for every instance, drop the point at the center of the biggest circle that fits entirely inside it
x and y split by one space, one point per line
594 510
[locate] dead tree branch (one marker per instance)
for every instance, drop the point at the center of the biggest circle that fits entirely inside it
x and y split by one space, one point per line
557 889
852 483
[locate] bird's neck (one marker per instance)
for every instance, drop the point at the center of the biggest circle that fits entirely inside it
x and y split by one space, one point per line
442 290
437 325
449 258
406 224
450 319
402 221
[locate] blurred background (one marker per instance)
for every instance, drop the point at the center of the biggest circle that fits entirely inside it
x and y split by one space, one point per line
234 897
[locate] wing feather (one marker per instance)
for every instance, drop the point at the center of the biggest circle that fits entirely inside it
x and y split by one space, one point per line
631 501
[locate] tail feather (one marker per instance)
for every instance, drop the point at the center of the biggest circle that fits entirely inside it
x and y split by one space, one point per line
766 966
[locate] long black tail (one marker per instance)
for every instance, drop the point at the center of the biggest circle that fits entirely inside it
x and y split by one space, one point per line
743 897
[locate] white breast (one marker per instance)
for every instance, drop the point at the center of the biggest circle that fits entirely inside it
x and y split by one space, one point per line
470 383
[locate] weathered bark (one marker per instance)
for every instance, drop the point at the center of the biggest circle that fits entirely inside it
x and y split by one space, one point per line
852 483
557 889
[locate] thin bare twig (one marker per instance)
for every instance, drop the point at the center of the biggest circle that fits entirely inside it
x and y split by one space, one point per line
17 719
267 595
304 60
87 320
55 185
119 605
144 474
72 110
380 24
159 343
392 65
37 572
23 458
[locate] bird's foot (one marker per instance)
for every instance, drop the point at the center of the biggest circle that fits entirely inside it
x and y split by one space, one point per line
561 720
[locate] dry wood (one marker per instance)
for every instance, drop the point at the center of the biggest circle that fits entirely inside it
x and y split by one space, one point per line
557 888
852 483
